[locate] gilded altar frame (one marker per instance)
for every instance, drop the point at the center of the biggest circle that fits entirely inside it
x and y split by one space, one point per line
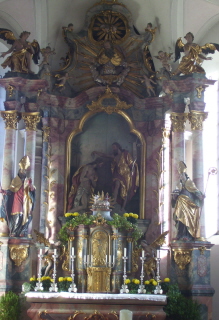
133 130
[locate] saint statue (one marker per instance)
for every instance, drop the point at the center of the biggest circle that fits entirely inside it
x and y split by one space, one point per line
187 201
124 173
18 202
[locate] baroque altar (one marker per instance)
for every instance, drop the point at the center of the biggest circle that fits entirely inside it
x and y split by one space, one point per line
105 122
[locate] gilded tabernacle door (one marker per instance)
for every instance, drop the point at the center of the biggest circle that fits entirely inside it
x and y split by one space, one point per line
106 153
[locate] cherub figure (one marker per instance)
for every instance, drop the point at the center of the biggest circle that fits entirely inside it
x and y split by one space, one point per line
61 81
21 51
148 85
69 28
46 53
164 57
193 55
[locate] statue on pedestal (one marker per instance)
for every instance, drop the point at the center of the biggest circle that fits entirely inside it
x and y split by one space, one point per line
194 54
21 51
18 202
187 201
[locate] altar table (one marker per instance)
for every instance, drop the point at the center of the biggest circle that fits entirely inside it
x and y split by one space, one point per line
78 306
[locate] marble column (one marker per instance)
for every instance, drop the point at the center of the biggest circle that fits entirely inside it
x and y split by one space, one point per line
44 181
196 118
178 121
31 119
11 119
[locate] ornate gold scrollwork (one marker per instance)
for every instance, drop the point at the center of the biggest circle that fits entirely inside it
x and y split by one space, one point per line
115 314
178 121
196 118
11 118
46 133
165 134
31 119
10 90
98 106
18 253
75 314
98 279
108 26
182 257
114 237
41 239
199 91
202 250
129 239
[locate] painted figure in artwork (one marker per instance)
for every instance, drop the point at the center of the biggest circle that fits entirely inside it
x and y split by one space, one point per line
194 55
124 173
187 201
18 201
22 51
83 184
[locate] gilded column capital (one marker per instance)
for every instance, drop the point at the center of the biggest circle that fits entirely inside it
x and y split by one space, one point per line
31 119
46 133
11 118
178 121
196 118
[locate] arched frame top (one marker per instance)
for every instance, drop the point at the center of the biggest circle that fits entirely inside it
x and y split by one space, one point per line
134 131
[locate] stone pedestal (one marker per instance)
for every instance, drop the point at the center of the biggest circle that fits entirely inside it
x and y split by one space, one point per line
190 268
17 263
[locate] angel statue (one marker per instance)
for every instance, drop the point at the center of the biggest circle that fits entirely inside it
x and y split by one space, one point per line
194 55
21 51
164 58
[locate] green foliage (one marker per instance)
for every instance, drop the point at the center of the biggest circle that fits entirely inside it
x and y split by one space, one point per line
179 307
10 306
122 223
73 223
118 222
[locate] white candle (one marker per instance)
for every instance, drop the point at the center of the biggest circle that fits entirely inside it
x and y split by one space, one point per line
41 251
125 252
142 254
55 251
110 258
72 251
88 259
125 315
158 253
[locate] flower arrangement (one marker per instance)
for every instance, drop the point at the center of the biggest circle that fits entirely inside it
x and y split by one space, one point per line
46 282
131 217
64 283
133 285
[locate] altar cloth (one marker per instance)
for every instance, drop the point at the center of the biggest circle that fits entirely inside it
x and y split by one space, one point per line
94 296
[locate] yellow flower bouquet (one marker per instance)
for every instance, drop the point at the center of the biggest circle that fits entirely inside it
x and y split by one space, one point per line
64 283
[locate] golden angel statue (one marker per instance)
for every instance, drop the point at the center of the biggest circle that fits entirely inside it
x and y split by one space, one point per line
194 55
21 51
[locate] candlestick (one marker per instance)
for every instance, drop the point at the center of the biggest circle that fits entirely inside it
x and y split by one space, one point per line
39 285
141 288
158 289
73 251
124 288
73 287
53 286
